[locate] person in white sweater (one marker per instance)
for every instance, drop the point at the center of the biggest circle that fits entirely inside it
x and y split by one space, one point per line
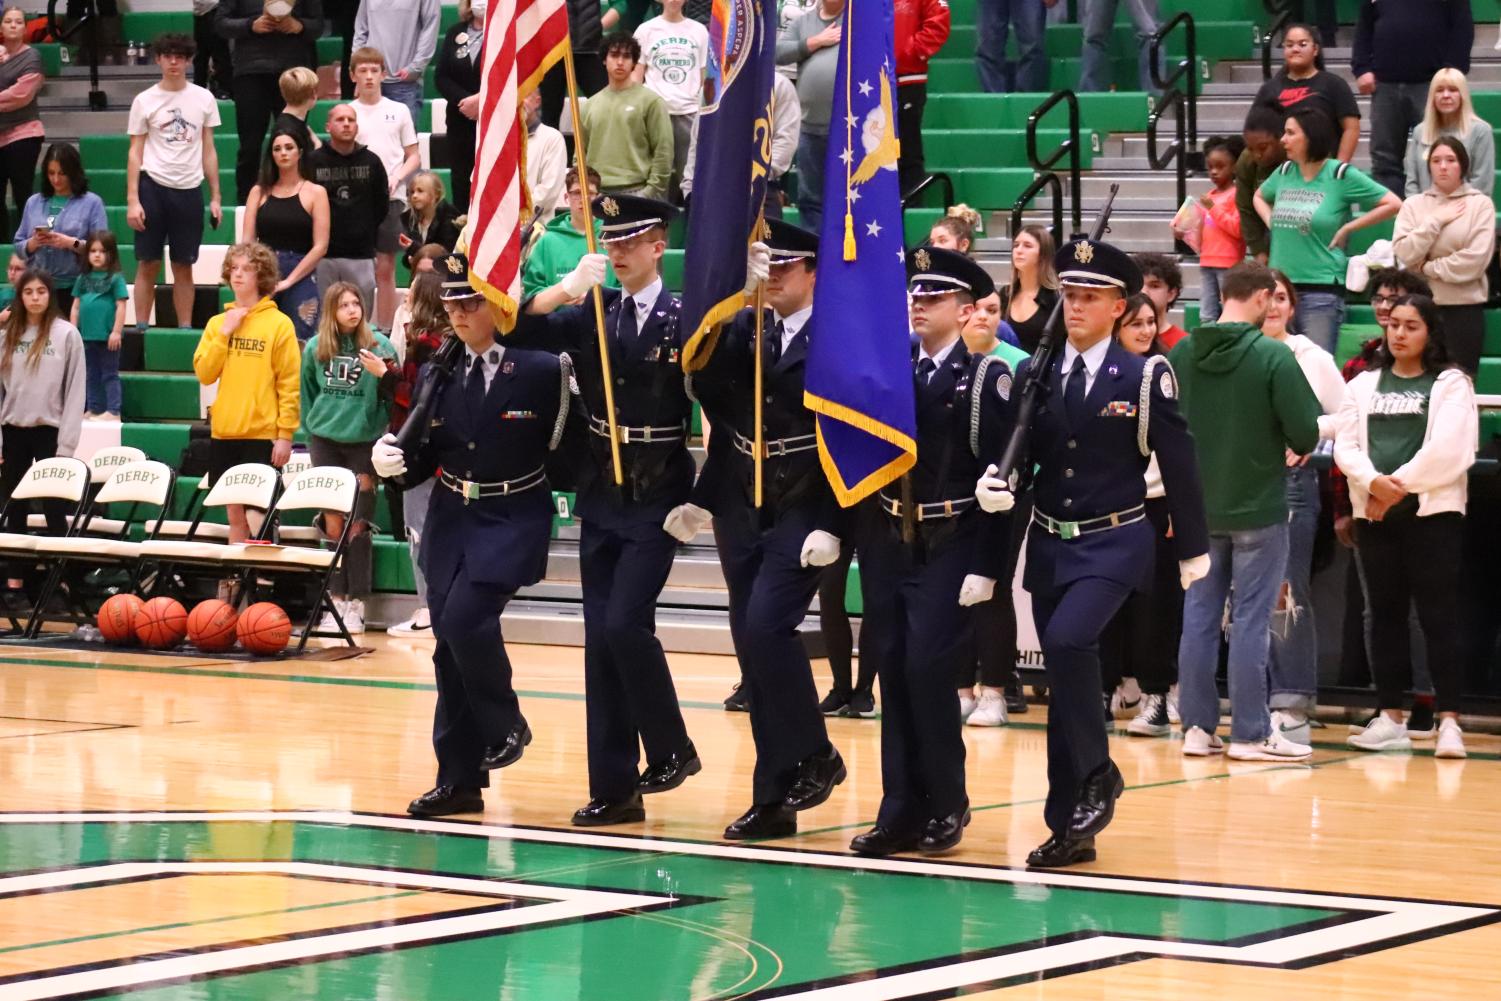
1292 666
1406 437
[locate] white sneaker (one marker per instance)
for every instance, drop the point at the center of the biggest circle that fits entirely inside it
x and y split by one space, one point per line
1275 748
967 703
990 709
109 416
1126 699
1292 725
89 415
1172 706
1152 721
326 623
353 612
1451 740
419 625
1198 744
1382 734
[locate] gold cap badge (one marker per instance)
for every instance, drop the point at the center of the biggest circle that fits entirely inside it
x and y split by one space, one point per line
922 260
455 266
610 206
1083 252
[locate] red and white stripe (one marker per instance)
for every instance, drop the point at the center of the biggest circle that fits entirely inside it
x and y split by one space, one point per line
523 39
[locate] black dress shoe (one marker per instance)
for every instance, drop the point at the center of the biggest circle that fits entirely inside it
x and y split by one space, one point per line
1016 699
508 751
836 700
883 841
764 820
738 700
603 813
1059 851
440 801
862 705
816 778
1096 806
670 772
944 833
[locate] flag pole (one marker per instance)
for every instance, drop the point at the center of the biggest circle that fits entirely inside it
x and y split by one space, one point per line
760 445
599 301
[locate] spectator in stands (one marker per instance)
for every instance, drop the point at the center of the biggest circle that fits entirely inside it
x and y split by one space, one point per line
627 129
211 69
21 129
986 333
265 46
299 92
406 33
787 12
1162 282
99 314
288 212
358 203
427 256
1262 155
1406 439
1292 665
1247 403
41 392
586 30
386 129
1309 204
55 225
172 153
1398 49
1450 112
13 271
997 72
1222 246
457 77
812 43
956 229
1303 79
562 244
429 217
674 56
255 413
1098 17
546 163
349 376
922 26
1029 299
786 133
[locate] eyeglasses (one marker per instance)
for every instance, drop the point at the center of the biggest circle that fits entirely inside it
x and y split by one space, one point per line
471 304
1384 300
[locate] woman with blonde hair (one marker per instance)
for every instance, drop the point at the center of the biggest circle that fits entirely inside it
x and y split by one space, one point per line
1451 113
1028 301
956 230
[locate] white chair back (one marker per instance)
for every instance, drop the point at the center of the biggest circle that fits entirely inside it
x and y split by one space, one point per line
252 484
300 462
326 488
57 478
106 460
144 482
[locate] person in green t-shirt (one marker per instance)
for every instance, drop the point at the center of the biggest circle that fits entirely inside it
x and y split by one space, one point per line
349 377
13 272
99 314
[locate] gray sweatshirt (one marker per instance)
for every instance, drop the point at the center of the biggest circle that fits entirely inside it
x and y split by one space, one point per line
815 71
51 394
405 32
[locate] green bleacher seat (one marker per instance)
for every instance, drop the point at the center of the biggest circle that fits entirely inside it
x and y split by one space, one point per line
170 350
144 26
1113 112
1352 337
1490 426
223 235
109 183
948 148
1488 380
159 396
163 442
318 117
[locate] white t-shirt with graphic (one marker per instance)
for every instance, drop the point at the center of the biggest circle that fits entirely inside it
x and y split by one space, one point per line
675 54
173 122
386 129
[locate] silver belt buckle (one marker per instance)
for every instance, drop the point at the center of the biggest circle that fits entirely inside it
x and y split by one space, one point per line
471 490
1068 530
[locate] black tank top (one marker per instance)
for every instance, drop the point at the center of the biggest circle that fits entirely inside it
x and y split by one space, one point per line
283 224
1029 331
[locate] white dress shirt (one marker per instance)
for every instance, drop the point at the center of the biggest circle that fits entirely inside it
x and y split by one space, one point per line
791 325
937 359
645 299
490 360
1094 357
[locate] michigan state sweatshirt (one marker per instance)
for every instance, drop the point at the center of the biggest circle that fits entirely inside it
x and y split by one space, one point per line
52 393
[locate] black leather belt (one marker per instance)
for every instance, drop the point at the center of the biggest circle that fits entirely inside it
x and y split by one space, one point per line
473 490
639 435
776 446
1072 529
929 512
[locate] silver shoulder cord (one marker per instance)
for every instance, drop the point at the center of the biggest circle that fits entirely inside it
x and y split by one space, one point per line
565 372
976 388
1144 401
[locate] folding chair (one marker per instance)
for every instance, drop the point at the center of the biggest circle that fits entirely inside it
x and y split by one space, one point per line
143 484
58 479
193 526
251 484
101 464
299 463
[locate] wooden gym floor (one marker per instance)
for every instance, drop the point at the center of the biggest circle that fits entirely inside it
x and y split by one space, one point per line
180 828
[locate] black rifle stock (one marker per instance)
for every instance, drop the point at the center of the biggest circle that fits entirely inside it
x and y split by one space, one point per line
444 360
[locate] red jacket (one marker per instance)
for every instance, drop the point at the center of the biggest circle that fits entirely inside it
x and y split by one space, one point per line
922 26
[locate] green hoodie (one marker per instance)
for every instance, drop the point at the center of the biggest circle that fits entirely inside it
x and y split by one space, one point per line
1247 402
557 252
340 400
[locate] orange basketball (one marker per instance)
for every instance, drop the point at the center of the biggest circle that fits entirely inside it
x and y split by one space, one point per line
264 628
161 623
117 618
211 625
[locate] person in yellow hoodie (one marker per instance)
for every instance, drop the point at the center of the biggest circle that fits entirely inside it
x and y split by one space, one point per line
251 351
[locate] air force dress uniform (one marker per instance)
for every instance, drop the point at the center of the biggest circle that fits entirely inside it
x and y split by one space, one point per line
929 535
1104 413
624 555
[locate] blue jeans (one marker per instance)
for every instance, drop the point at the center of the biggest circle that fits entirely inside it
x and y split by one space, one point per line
300 302
811 149
102 378
1293 666
1209 294
1099 20
1319 316
408 93
999 75
1249 564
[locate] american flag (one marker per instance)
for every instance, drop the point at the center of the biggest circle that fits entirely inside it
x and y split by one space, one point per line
523 39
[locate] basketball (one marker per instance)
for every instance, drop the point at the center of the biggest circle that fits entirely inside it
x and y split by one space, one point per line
117 618
161 623
211 625
264 628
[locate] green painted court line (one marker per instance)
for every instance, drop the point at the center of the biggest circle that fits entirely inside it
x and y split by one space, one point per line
206 921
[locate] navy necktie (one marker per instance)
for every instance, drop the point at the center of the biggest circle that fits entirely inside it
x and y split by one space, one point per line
925 370
778 332
474 386
1073 393
625 328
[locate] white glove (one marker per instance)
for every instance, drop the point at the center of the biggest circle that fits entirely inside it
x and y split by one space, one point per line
1192 570
685 521
589 273
976 589
387 459
757 266
820 549
993 493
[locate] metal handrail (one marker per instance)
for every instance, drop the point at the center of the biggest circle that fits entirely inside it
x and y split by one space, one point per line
1282 14
1180 95
938 178
1047 178
89 23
